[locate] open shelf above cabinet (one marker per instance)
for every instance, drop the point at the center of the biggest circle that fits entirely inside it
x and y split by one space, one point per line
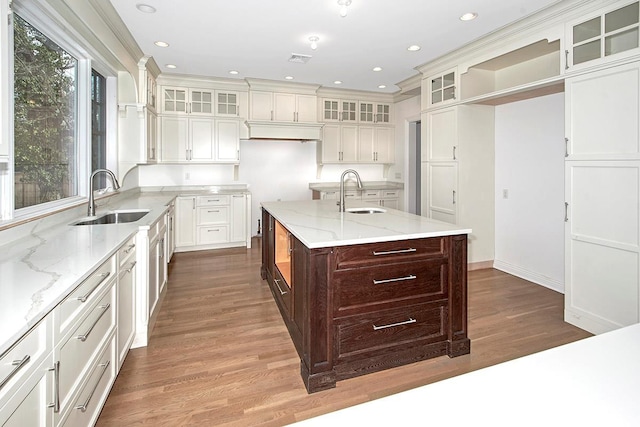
530 71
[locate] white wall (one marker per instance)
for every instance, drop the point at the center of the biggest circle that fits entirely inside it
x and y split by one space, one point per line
529 147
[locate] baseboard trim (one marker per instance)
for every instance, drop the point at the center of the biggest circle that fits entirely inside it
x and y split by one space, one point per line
529 275
479 265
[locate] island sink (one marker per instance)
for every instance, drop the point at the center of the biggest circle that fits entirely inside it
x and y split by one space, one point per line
363 303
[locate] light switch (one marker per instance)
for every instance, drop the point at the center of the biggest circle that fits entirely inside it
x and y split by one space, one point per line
505 193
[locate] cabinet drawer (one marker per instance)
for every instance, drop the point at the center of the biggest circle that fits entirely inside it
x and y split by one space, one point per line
213 215
215 200
371 194
19 362
213 234
83 296
127 250
383 330
78 351
88 403
390 252
373 288
389 194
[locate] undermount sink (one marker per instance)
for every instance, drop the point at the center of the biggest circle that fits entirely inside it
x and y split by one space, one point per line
366 210
115 217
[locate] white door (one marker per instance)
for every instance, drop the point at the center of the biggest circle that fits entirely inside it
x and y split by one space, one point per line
306 108
153 276
331 151
261 105
185 221
602 188
349 143
384 149
174 137
238 218
366 143
126 308
284 106
201 135
443 186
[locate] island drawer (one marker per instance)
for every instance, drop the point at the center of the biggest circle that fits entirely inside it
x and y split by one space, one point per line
213 215
383 330
384 286
390 252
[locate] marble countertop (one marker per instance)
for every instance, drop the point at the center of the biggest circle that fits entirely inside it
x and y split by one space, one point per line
318 224
351 185
591 382
41 267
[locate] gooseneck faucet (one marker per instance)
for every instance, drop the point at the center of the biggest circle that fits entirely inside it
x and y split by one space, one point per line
91 209
344 174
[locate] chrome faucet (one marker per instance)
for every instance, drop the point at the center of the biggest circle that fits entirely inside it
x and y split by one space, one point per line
344 174
91 209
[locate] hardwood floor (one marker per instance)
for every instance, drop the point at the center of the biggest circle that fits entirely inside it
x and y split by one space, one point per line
220 353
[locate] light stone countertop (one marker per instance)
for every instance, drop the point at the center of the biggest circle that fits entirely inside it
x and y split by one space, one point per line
318 224
351 185
40 268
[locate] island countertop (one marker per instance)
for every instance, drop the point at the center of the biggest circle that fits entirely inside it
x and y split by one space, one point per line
319 224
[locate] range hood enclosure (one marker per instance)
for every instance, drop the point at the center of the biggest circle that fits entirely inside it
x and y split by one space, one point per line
284 130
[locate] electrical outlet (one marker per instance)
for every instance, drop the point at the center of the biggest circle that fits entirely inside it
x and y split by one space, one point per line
505 193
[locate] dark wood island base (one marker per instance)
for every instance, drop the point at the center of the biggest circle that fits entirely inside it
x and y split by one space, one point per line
352 310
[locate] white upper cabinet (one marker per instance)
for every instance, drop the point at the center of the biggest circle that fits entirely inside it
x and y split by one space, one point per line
339 144
282 107
373 112
176 100
441 88
227 103
442 135
375 144
603 36
339 110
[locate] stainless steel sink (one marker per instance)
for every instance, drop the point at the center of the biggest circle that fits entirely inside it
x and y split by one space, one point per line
115 217
366 210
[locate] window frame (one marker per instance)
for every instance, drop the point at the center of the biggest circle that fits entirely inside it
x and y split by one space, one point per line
54 28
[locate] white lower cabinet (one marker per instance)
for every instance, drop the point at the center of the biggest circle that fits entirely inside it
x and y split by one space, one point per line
387 198
126 308
29 405
212 221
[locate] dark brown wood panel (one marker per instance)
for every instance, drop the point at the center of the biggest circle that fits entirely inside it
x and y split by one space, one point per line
388 252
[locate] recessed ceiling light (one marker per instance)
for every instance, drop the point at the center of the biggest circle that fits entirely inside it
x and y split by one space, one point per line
288 78
145 8
337 82
382 86
413 48
161 44
469 16
377 68
314 42
234 72
172 66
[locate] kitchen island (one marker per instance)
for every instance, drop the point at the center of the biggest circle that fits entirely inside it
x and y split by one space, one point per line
362 292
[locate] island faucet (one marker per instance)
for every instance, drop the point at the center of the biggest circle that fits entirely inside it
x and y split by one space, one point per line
91 209
344 174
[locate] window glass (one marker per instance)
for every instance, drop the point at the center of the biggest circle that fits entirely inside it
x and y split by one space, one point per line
98 126
45 107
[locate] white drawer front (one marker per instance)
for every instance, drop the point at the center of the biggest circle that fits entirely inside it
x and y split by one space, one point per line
390 194
213 234
127 250
214 200
18 363
87 338
83 296
88 404
213 215
371 194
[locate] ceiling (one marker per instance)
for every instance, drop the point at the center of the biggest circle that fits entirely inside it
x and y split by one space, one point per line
257 37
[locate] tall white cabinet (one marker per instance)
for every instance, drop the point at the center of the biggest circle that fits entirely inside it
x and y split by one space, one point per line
602 186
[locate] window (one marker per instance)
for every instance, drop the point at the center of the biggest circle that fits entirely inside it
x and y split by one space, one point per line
45 111
98 125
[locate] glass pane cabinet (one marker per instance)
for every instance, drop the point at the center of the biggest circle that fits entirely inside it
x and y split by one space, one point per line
443 88
609 34
227 104
174 100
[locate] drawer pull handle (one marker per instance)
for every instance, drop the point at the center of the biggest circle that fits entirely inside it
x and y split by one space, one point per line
133 264
400 251
391 325
84 336
212 229
213 211
104 366
56 388
129 248
277 282
213 200
85 297
18 365
397 279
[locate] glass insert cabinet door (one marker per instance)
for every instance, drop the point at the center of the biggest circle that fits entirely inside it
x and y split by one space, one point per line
201 102
174 100
605 35
227 104
443 88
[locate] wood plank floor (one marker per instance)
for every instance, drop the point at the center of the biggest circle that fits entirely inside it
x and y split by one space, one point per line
220 353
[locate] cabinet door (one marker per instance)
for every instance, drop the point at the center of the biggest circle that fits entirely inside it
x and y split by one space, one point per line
152 137
153 277
349 111
261 105
443 186
174 100
331 152
366 143
174 139
238 218
185 221
349 143
306 108
29 406
384 146
201 102
126 308
201 134
441 89
442 134
227 140
330 110
284 106
367 114
227 104
602 113
602 249
383 113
